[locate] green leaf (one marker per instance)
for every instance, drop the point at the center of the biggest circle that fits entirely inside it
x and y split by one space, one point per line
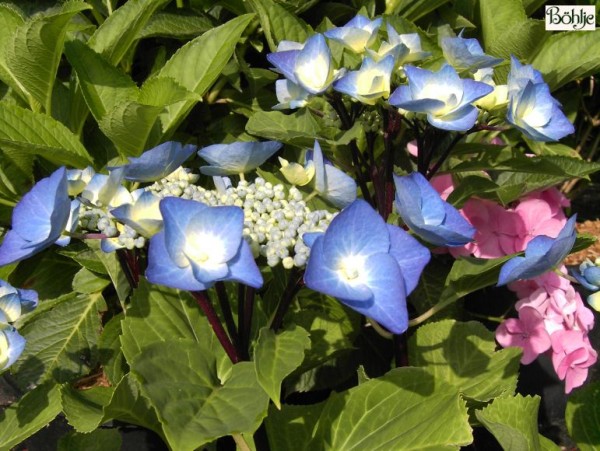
119 31
127 404
110 353
463 354
128 126
104 87
513 421
176 25
86 281
99 440
194 406
61 343
84 255
498 16
412 10
113 269
158 314
10 20
197 65
38 134
34 54
278 23
298 128
30 414
276 356
291 428
568 56
469 274
84 409
583 417
407 406
163 91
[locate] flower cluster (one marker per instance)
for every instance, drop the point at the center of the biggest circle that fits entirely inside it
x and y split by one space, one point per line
551 319
450 101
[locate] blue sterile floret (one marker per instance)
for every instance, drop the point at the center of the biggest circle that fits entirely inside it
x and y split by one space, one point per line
541 255
309 67
357 34
158 162
14 302
236 158
38 219
330 182
200 245
425 213
531 107
588 275
370 83
444 96
466 54
369 265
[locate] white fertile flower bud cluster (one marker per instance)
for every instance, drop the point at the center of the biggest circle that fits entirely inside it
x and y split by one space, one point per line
92 219
274 221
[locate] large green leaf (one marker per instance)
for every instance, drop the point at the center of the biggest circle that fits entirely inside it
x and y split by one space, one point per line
197 65
158 314
278 23
113 268
119 31
276 356
104 86
110 353
405 409
568 56
39 134
583 417
129 124
27 416
292 427
412 9
176 25
61 344
298 128
469 274
10 20
99 440
84 409
36 48
463 354
194 406
513 421
127 404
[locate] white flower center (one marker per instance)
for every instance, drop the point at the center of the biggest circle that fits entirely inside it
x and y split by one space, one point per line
204 248
352 267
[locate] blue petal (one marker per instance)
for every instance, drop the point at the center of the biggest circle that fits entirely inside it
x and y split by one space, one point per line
473 90
177 214
583 280
158 162
285 63
510 271
461 120
340 188
243 268
16 344
388 304
310 237
417 201
42 214
163 271
592 275
322 276
29 299
236 158
314 66
14 248
411 256
357 231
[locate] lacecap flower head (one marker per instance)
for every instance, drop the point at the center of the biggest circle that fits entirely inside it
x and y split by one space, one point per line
444 96
200 245
369 265
38 219
425 213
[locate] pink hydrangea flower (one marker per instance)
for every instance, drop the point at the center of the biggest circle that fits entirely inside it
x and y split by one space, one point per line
499 231
572 355
539 218
527 332
443 184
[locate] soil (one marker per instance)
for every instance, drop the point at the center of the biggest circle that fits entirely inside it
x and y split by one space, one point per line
592 252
